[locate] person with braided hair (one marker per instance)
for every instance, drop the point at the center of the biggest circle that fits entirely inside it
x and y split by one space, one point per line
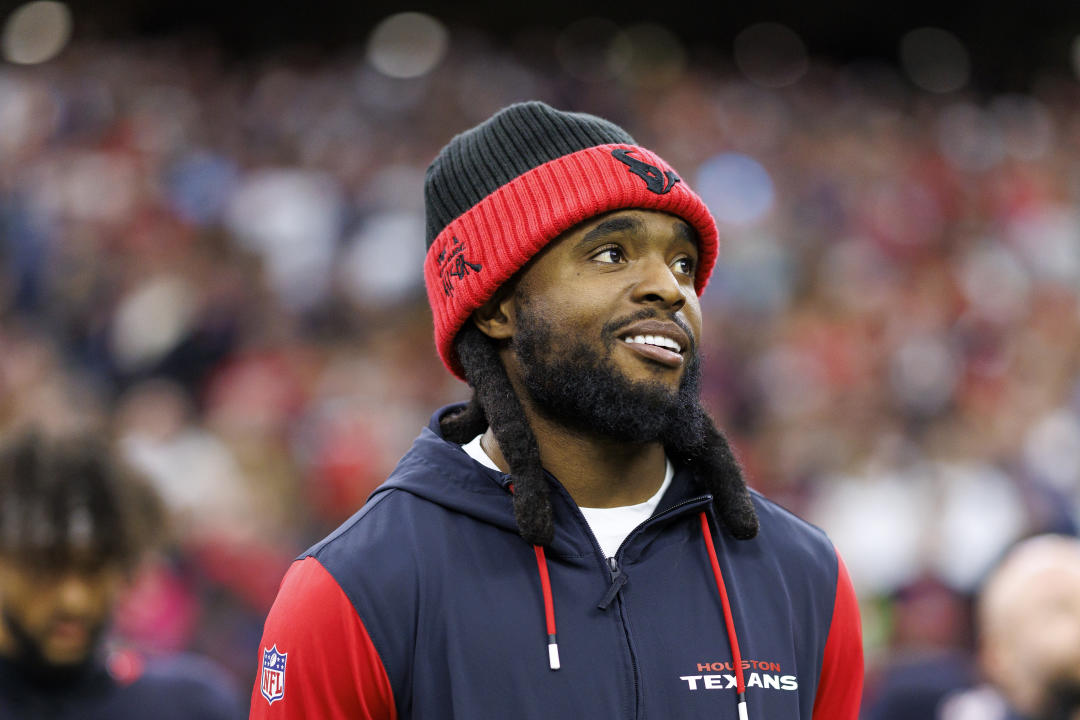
577 540
74 526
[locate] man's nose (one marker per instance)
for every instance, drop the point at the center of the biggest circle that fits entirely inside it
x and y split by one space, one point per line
659 284
75 593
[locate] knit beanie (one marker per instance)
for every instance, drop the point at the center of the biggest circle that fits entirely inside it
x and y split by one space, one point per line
498 193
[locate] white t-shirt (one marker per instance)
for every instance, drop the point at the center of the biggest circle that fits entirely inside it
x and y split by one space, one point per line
610 526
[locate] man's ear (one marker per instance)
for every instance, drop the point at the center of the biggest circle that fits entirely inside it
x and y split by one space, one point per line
496 317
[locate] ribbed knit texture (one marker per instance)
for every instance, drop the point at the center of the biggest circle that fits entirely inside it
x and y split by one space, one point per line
500 192
513 141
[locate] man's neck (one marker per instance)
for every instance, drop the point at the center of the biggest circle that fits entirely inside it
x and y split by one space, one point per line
597 472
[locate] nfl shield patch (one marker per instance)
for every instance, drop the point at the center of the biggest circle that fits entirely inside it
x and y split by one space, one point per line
272 677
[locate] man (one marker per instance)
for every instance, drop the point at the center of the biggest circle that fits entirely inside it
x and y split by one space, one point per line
72 526
1029 636
577 541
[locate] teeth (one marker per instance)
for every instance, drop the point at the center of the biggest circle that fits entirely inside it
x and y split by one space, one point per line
657 340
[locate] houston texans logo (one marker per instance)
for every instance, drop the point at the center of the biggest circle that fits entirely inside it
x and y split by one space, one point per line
659 182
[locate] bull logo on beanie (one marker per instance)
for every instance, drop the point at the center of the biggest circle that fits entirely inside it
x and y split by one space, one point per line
656 180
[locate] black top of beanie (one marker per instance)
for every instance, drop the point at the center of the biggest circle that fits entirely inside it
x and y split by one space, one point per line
510 143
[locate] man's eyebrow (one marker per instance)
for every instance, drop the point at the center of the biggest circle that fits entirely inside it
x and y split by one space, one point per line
686 233
610 227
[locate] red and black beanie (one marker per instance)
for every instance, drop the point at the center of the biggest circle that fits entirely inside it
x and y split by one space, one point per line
498 193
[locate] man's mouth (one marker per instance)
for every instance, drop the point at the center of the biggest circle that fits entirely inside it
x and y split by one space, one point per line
662 343
70 632
657 340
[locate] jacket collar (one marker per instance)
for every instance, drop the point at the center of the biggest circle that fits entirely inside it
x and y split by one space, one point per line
440 471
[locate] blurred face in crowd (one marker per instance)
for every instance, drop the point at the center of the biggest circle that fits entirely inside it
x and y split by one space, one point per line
606 321
1031 629
53 618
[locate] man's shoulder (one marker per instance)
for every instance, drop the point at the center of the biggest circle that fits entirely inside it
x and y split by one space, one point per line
435 484
790 537
377 544
795 555
394 517
773 514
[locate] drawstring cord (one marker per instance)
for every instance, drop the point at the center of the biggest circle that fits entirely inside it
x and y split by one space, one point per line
549 603
728 619
549 608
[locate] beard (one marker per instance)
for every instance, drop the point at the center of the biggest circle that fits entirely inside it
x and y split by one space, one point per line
30 658
581 388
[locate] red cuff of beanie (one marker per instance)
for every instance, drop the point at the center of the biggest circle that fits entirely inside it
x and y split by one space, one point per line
481 249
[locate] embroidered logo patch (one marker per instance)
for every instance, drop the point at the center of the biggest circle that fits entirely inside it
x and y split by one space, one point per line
272 676
453 265
657 181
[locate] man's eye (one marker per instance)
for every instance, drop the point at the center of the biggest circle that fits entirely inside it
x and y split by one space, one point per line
610 255
684 265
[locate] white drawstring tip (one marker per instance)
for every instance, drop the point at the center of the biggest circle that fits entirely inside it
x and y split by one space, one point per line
743 713
553 656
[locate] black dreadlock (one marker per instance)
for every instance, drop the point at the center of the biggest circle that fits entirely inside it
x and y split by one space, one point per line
694 440
690 438
495 403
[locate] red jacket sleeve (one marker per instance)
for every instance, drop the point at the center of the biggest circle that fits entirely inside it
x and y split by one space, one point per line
316 659
839 689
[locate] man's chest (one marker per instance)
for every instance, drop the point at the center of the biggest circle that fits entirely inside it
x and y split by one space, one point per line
654 646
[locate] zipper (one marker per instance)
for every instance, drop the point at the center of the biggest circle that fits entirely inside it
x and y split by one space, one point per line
618 577
618 580
673 510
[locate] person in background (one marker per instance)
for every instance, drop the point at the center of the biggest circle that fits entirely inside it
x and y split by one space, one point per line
1028 617
931 657
74 525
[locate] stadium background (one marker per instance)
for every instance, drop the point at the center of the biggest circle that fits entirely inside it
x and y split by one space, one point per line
211 242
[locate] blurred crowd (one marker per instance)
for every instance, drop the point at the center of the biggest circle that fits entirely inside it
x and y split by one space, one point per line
219 262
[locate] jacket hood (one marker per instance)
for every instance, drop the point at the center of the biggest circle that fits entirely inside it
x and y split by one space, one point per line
441 472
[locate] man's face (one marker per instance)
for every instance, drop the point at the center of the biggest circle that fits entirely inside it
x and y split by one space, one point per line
606 325
54 618
1047 639
1035 653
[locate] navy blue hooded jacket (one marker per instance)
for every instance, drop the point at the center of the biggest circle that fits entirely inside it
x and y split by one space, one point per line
428 604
